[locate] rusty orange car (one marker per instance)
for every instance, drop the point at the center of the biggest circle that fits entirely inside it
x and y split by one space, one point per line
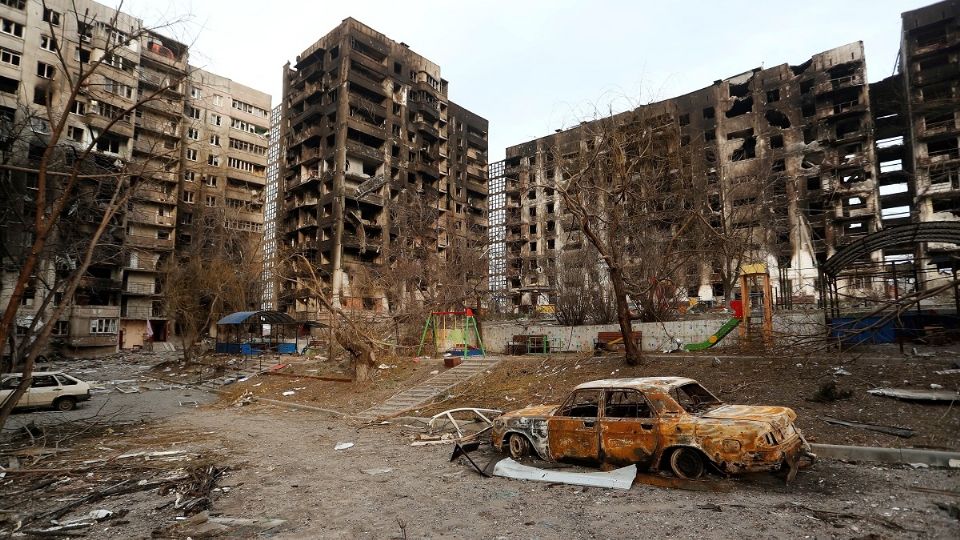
656 423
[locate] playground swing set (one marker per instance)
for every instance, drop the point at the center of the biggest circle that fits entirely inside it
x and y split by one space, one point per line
454 334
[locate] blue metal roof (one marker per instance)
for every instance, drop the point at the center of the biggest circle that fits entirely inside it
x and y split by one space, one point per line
263 317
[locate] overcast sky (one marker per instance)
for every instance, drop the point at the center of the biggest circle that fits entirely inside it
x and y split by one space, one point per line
530 67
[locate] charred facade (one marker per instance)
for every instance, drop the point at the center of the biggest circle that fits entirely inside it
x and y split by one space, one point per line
374 156
796 160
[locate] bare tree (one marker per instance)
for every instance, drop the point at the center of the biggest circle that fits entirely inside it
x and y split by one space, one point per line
621 181
60 175
216 273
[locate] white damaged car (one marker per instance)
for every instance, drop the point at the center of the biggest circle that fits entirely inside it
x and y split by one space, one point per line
48 389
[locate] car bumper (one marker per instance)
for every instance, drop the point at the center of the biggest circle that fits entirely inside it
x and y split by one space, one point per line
790 455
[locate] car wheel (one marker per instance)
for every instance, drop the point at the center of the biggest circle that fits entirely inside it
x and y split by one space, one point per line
65 404
686 463
519 446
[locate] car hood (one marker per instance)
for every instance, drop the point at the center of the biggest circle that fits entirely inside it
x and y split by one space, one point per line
778 417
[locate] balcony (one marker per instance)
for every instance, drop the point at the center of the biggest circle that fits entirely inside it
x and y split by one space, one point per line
157 52
140 289
142 313
939 73
163 106
150 218
100 284
149 242
155 196
361 150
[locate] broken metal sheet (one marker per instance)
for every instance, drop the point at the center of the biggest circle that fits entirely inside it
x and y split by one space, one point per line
617 479
909 394
890 430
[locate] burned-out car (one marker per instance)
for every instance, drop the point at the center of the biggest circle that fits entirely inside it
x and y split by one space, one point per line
656 423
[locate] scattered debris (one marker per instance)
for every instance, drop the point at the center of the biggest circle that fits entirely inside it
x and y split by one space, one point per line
475 415
890 430
922 354
954 463
343 445
951 509
840 371
948 372
190 403
289 393
935 386
909 394
245 399
376 471
616 479
828 392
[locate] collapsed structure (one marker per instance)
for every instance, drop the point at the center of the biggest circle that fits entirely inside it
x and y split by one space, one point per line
376 164
197 149
798 160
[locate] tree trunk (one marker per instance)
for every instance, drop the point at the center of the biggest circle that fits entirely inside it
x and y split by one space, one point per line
632 354
362 356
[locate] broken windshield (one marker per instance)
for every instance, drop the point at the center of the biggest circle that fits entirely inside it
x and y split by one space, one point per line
694 398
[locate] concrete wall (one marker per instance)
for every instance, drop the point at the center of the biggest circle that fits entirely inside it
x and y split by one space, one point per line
656 336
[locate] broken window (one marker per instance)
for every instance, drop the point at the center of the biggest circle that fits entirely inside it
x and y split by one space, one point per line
776 141
773 95
709 135
809 134
806 86
847 128
938 120
740 90
740 107
684 119
684 140
777 118
626 404
946 147
748 149
582 404
708 112
808 110
779 166
694 398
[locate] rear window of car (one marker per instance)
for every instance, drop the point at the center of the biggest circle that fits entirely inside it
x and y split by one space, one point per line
66 381
44 381
11 383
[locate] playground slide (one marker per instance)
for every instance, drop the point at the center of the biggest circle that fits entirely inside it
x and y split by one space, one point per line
715 338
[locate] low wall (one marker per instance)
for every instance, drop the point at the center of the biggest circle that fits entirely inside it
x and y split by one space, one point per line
656 336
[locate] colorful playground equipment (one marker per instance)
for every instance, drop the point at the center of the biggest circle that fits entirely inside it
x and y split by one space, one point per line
455 333
754 282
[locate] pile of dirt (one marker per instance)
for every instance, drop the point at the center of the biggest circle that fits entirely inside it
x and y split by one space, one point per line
794 382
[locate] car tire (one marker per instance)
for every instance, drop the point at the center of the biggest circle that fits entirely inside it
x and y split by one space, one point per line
686 463
519 446
65 404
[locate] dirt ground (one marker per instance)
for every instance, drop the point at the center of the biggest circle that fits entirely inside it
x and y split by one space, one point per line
533 380
261 462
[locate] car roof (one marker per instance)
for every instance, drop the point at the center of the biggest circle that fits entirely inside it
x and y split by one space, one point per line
639 383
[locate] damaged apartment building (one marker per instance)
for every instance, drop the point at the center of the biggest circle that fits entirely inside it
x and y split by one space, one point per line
189 146
803 159
372 151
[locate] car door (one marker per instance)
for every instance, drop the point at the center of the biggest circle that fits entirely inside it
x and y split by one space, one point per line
629 429
572 431
43 390
9 385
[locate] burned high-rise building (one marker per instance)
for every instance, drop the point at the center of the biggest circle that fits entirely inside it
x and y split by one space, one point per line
802 159
375 156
